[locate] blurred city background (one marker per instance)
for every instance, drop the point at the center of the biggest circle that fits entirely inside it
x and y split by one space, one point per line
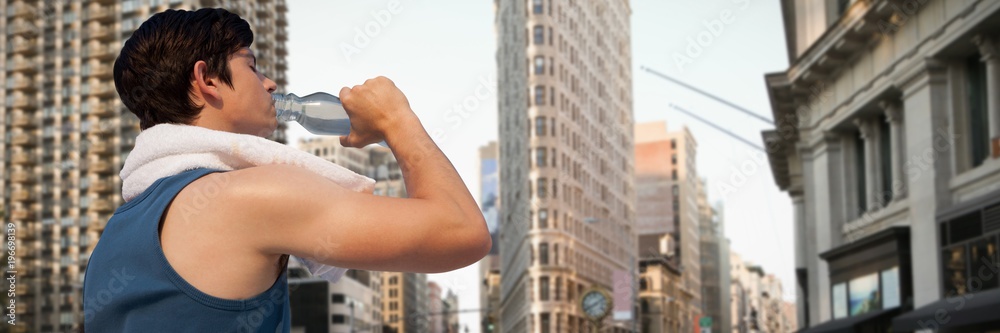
695 166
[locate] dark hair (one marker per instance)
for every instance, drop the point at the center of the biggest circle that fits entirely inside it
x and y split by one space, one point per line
153 73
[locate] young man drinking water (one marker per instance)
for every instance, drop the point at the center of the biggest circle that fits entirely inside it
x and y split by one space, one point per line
160 267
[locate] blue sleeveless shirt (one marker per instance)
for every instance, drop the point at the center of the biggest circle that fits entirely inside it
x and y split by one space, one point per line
130 287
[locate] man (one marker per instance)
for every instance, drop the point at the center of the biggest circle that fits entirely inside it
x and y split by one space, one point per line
160 267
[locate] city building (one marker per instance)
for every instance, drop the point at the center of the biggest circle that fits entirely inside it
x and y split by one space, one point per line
887 137
661 306
489 266
319 306
404 302
788 313
566 148
66 134
757 303
435 306
667 189
450 313
715 272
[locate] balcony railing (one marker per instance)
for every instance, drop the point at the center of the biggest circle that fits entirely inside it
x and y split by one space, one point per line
103 186
24 139
23 121
23 83
101 148
19 65
23 46
24 195
104 90
101 206
101 71
99 32
101 166
20 9
23 102
100 14
21 176
23 159
20 214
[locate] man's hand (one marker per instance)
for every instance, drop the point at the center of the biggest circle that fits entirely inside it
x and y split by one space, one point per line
375 108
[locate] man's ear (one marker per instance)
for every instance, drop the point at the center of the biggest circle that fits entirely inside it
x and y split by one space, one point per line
205 85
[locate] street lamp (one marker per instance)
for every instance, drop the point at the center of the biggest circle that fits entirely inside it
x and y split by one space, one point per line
632 259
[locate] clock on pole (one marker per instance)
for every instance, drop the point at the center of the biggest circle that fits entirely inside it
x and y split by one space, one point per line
596 305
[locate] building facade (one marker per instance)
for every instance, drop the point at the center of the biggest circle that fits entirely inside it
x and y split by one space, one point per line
435 308
757 303
489 266
661 304
450 313
715 271
353 304
669 213
66 134
567 151
887 138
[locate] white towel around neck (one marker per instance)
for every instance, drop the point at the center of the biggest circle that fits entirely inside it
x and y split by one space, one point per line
169 149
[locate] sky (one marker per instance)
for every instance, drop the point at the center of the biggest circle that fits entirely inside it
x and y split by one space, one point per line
441 53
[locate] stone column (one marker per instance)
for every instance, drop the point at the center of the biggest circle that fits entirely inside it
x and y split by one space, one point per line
894 116
988 50
871 173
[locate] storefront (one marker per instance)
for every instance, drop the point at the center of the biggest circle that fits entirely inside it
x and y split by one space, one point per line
870 282
970 272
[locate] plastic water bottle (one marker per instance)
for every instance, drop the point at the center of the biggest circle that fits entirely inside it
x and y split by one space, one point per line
319 113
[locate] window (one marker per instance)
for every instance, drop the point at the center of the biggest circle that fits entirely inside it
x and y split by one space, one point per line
673 159
539 65
543 286
542 187
338 319
543 254
537 6
890 288
863 294
539 95
840 301
540 156
543 218
539 35
673 143
673 174
555 261
555 186
558 279
978 116
540 126
859 179
885 160
337 298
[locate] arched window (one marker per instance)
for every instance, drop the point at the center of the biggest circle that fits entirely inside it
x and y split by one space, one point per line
540 65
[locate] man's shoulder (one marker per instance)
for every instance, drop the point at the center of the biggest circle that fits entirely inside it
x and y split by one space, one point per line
237 188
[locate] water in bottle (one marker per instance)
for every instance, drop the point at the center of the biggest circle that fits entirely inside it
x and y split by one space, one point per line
319 113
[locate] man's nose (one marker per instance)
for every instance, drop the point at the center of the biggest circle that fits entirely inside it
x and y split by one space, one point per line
270 85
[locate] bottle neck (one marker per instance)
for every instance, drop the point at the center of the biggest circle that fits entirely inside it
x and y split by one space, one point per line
286 107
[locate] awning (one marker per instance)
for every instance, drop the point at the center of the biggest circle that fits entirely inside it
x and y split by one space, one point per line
854 324
960 313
